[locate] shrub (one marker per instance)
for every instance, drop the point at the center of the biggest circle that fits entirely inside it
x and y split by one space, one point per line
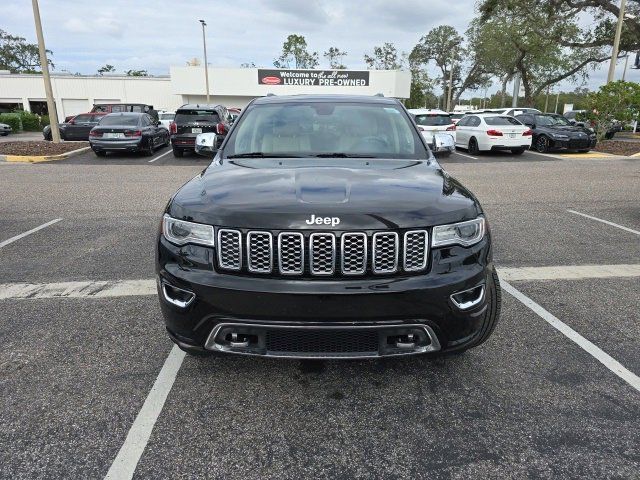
30 121
13 120
615 101
44 121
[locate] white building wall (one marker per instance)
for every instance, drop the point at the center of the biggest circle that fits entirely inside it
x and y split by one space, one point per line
76 94
232 87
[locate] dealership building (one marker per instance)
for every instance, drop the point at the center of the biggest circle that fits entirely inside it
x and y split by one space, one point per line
232 87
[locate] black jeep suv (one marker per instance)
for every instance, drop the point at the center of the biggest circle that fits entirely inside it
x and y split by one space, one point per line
190 120
325 228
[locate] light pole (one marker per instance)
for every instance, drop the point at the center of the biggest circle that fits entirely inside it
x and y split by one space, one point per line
44 64
616 42
206 65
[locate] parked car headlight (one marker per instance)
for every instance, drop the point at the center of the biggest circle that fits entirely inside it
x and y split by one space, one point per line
181 232
464 233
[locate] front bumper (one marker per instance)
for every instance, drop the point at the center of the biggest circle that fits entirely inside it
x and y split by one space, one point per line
575 143
113 145
390 311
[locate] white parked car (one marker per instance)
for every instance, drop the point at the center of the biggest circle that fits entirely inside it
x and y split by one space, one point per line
484 132
433 121
166 118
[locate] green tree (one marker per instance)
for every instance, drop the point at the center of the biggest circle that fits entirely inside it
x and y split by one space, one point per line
534 40
18 56
136 73
335 55
385 57
248 65
616 100
106 69
294 51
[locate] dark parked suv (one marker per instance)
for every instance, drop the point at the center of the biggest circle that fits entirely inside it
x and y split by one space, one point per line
190 120
325 228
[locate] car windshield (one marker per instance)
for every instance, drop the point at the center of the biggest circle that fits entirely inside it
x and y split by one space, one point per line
189 116
433 120
501 121
326 129
551 120
125 120
82 118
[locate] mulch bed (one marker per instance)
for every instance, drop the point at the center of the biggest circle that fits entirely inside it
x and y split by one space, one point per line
618 148
39 148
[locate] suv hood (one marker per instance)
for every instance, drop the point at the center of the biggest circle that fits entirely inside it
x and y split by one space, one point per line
285 193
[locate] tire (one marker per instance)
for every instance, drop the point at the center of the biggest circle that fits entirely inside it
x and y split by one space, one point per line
148 150
167 141
491 316
445 153
542 144
473 148
100 153
517 151
178 152
609 135
584 151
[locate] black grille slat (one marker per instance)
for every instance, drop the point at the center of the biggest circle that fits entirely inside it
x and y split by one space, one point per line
353 253
322 342
291 253
260 252
415 250
229 249
322 253
385 252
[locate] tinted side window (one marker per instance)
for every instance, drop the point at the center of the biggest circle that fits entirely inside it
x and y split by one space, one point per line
463 121
474 121
82 118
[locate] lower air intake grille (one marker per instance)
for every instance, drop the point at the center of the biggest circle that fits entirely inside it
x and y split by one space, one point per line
322 342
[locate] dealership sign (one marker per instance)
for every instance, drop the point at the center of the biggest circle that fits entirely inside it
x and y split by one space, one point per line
314 78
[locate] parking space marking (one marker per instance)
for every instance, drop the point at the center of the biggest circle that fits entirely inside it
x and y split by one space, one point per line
88 289
608 361
464 155
569 272
621 227
29 232
125 463
160 156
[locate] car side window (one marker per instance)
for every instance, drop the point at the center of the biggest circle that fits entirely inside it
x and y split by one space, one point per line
463 121
474 121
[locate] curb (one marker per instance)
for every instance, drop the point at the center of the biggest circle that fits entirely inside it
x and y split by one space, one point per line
41 158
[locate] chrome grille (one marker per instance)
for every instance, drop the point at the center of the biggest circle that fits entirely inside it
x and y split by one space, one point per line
259 252
322 253
354 253
385 252
291 253
415 250
229 249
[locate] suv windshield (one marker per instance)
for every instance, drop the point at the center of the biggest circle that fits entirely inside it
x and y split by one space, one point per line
433 120
125 120
550 120
195 116
310 129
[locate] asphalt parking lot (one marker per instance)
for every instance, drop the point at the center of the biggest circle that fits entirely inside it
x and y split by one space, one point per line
90 385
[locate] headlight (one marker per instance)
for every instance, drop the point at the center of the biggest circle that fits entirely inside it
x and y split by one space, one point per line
181 232
464 233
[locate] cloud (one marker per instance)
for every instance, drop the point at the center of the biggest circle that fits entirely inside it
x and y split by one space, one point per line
101 25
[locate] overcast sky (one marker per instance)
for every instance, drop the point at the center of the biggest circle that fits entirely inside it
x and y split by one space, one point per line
156 34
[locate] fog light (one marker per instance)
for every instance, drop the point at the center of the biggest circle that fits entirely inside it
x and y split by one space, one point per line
468 298
177 296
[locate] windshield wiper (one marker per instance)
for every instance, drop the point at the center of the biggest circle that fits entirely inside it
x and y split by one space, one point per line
343 155
262 155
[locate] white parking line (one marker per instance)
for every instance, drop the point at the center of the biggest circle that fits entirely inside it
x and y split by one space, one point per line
596 352
464 155
160 156
33 230
627 229
570 272
125 463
